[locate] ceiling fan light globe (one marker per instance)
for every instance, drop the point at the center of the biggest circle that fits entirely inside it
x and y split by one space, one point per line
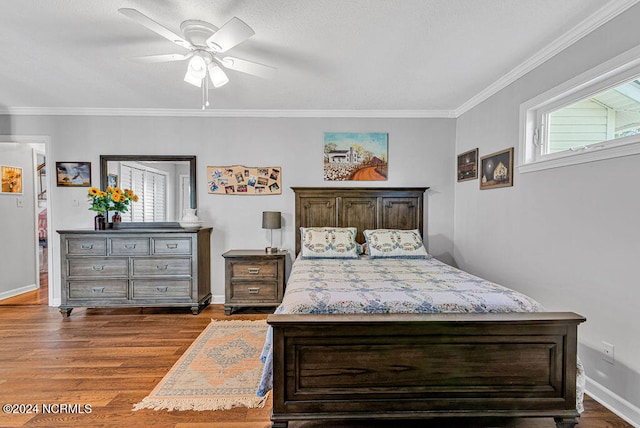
193 80
217 76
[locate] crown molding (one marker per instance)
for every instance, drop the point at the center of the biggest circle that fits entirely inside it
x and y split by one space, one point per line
609 11
92 111
597 19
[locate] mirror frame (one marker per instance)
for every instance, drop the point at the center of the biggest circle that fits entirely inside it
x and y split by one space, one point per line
104 159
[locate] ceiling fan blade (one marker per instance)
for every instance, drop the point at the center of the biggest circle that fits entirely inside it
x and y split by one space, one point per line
161 58
234 32
154 26
248 67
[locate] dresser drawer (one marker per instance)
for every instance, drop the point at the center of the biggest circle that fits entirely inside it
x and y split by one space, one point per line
97 267
128 246
254 291
85 247
161 289
171 245
248 269
103 290
161 266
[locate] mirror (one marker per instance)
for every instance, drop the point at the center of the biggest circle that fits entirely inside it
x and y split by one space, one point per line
165 185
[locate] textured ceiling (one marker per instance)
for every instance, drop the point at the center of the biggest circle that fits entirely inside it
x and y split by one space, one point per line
426 55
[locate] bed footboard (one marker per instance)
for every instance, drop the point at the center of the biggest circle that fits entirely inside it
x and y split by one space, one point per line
420 366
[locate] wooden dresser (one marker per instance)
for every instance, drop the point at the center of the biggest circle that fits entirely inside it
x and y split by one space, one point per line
253 278
135 267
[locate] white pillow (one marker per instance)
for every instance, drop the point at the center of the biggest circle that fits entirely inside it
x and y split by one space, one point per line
329 242
395 243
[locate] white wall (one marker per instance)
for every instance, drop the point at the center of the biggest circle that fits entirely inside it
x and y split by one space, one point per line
568 237
17 224
421 153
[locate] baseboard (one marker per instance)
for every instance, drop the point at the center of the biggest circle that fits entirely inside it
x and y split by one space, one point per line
613 402
18 291
217 299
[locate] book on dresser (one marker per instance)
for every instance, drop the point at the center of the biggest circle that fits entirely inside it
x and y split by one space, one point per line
163 267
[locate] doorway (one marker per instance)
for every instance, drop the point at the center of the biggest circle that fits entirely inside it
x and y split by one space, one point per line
28 228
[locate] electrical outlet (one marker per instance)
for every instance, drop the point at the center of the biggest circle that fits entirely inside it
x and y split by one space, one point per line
607 352
75 203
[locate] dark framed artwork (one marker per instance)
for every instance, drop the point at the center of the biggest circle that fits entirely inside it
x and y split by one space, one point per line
497 169
73 174
468 165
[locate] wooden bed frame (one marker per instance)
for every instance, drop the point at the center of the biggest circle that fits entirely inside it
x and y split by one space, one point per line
415 366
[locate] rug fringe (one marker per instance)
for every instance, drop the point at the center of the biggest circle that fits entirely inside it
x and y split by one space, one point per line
201 403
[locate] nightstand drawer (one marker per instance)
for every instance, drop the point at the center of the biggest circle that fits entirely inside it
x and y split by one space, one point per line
248 269
128 246
171 246
97 267
116 289
161 289
157 266
254 291
86 247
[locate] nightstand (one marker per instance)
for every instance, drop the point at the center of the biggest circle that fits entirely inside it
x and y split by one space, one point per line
253 278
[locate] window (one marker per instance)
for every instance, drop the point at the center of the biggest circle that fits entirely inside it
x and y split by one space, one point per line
591 117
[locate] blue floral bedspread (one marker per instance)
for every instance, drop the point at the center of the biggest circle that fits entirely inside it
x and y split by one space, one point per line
363 285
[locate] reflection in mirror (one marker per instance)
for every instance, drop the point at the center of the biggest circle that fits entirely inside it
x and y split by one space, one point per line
165 185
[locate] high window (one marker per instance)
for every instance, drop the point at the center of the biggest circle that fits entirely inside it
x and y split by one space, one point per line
591 117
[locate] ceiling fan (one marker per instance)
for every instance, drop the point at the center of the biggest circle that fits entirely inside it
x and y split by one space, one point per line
206 44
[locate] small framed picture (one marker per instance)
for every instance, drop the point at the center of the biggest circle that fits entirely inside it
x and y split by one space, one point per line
497 169
73 174
112 180
468 165
11 179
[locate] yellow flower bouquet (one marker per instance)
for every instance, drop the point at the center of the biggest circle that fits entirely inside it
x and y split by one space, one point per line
112 199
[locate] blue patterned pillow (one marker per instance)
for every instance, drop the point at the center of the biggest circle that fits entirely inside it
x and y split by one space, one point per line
329 242
395 243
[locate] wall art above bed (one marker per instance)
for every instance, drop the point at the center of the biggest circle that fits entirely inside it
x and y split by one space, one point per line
244 180
355 156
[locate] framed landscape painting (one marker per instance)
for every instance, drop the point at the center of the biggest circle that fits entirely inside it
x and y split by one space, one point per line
497 169
73 174
355 156
468 165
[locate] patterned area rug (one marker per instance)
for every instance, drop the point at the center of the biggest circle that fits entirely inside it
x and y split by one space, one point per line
220 370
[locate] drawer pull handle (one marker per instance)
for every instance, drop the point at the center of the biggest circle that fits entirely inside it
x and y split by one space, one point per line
254 271
86 246
97 290
162 289
129 246
162 267
254 290
172 246
97 267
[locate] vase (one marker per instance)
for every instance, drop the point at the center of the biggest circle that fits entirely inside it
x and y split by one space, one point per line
116 218
98 222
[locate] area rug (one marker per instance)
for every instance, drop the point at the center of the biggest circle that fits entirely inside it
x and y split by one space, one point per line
220 370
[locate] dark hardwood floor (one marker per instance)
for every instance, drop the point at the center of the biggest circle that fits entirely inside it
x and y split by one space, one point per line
111 359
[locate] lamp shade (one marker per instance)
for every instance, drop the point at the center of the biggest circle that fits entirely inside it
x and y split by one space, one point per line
271 220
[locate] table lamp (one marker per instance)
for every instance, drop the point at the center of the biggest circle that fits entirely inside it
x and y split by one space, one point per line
271 220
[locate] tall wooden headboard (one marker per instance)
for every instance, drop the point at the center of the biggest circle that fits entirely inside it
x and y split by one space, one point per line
360 207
